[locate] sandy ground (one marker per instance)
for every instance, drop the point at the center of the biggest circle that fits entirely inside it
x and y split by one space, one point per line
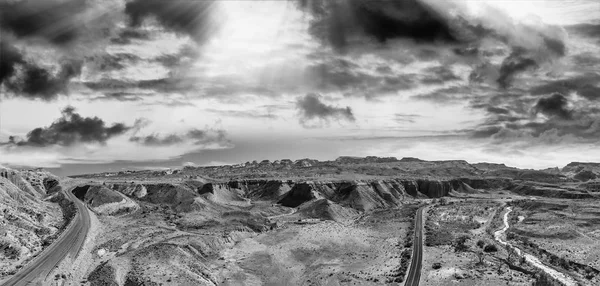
567 229
326 253
462 268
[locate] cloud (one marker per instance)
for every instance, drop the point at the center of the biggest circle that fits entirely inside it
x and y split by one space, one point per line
10 57
439 75
585 85
37 82
456 94
53 20
243 113
191 17
48 41
410 118
119 96
352 79
311 107
588 29
111 62
338 22
497 110
129 36
195 136
513 118
554 105
515 63
71 129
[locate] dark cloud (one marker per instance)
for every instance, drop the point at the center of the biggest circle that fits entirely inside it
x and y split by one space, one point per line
64 30
517 62
9 58
128 36
336 22
556 46
310 107
590 30
156 140
71 129
439 75
554 105
384 69
120 96
585 85
350 79
336 73
588 60
53 20
191 17
111 62
497 110
158 85
224 88
36 82
512 118
195 136
485 131
453 94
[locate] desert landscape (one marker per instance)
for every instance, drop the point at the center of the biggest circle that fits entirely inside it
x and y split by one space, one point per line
350 221
299 142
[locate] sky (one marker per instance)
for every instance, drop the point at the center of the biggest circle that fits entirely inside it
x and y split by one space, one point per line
110 85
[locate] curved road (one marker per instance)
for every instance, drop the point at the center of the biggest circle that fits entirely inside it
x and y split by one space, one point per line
69 242
414 273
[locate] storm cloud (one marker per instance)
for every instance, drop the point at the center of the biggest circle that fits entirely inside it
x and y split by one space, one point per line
191 17
37 82
336 22
9 58
554 105
52 20
70 129
26 79
512 65
310 107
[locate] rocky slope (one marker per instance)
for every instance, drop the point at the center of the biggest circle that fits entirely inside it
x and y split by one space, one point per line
359 183
28 222
104 200
360 195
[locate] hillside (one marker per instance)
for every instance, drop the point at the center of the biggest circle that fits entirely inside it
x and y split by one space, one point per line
30 216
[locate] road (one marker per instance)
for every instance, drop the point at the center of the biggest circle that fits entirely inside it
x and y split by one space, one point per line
414 273
70 242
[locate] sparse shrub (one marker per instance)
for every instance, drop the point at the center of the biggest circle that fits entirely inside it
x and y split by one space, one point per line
543 279
460 244
480 243
490 248
511 254
510 235
443 201
480 257
438 237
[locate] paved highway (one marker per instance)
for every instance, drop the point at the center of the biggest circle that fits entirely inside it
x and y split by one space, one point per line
70 242
414 273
